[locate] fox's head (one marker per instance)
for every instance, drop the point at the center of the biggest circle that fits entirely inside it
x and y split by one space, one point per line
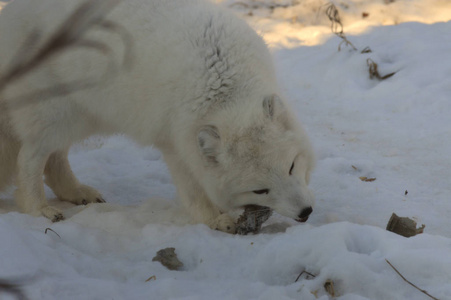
258 154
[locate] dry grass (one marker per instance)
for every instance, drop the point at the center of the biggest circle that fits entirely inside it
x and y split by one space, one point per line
374 72
337 26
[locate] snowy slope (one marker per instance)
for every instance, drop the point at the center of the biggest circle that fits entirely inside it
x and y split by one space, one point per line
396 130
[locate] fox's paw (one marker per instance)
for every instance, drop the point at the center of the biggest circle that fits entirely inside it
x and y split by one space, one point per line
82 195
223 223
52 213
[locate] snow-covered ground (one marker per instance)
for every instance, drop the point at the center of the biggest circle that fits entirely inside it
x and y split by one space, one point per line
397 131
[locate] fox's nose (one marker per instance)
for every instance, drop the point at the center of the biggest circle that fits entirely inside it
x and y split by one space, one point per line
305 213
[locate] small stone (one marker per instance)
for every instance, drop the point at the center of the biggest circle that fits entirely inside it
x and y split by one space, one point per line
168 258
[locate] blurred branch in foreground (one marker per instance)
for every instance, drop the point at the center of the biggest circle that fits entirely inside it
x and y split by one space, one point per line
69 34
12 287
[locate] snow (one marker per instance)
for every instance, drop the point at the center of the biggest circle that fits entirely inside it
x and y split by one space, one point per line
396 130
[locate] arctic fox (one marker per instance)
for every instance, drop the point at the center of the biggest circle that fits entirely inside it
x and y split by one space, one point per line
202 89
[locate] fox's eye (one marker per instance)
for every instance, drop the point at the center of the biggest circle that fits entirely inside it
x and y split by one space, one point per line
260 192
291 169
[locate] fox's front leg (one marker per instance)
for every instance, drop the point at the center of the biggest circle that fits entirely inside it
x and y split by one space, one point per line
30 196
196 201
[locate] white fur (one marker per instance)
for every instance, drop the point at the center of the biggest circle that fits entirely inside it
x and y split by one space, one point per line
202 89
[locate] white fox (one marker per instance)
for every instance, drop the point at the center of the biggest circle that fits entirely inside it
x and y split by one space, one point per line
202 89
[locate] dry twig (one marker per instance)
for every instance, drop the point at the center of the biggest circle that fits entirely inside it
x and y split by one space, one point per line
304 272
47 229
423 291
366 179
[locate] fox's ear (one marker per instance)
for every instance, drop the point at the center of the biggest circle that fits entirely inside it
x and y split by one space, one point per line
208 140
272 106
275 110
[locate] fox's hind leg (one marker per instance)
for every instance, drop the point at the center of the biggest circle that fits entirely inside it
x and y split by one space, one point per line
32 163
60 178
30 196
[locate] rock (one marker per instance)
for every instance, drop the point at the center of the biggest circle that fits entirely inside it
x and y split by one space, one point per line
168 258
